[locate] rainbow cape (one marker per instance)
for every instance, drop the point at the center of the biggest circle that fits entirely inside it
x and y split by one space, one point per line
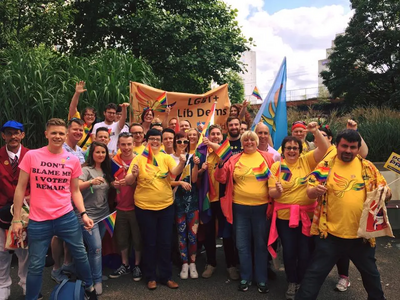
150 156
262 172
224 151
109 222
162 99
256 93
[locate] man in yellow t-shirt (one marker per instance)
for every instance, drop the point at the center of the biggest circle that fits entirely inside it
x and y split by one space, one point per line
346 193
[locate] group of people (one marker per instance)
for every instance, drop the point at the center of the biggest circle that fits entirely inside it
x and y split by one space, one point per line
172 193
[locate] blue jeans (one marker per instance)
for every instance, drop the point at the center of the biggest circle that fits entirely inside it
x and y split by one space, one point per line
327 252
92 240
40 234
156 230
251 222
296 250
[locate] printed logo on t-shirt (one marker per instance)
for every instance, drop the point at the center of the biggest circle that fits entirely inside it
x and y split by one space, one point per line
51 176
344 185
154 173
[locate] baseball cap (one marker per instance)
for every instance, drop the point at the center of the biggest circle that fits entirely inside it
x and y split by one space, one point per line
14 125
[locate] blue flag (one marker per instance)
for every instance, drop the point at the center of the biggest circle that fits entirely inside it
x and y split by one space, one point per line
273 110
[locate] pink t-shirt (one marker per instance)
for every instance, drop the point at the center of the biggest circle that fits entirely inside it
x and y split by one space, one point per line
50 180
124 198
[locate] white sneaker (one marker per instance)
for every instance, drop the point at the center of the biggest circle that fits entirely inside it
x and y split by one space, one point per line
98 288
343 284
193 271
184 272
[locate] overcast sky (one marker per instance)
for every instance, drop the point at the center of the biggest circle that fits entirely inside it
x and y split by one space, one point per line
301 30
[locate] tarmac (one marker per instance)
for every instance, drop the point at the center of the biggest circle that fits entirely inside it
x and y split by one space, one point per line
220 287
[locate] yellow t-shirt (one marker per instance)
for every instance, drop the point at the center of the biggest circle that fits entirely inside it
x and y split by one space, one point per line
86 130
346 196
213 160
247 190
294 190
192 151
153 190
330 153
138 150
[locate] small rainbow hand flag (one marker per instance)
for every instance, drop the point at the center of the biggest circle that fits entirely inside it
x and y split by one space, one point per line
262 172
109 222
256 93
321 173
224 151
162 99
286 174
148 153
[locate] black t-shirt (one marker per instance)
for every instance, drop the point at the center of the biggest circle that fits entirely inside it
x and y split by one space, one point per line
236 146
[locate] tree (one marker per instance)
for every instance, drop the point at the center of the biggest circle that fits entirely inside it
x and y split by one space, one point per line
33 22
365 63
235 87
187 43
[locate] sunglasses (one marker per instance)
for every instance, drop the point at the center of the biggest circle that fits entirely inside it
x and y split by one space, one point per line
179 142
125 134
292 148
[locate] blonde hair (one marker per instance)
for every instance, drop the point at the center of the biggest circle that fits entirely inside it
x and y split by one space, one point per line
249 135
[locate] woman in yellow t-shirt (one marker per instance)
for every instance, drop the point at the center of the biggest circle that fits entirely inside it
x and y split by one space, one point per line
88 115
288 187
154 207
193 136
246 176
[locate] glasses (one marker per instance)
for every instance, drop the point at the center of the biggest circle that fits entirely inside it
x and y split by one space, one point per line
125 134
179 142
152 139
137 133
292 148
110 112
156 124
325 135
8 133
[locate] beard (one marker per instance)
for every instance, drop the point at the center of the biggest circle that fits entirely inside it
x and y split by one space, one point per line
235 133
346 157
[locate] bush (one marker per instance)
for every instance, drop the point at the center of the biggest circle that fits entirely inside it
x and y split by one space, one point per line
38 84
379 127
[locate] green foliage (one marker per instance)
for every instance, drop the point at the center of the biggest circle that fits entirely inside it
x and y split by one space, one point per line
187 43
379 127
33 22
365 63
235 87
37 84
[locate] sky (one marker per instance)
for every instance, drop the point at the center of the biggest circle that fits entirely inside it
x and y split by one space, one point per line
301 30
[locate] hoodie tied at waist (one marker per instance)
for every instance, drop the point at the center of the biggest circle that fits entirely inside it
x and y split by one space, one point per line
297 213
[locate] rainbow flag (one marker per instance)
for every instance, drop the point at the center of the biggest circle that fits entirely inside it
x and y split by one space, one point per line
321 173
162 99
109 222
262 172
287 175
256 93
209 122
149 155
224 151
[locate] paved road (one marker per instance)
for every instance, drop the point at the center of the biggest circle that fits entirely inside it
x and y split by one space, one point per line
219 287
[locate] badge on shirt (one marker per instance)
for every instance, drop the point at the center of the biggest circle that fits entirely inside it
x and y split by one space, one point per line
63 160
6 162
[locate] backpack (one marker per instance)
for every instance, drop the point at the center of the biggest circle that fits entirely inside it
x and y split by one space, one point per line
68 290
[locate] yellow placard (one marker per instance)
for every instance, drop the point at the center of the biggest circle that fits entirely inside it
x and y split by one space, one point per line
393 163
192 107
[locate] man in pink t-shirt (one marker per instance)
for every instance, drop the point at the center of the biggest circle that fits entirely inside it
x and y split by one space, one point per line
126 226
53 175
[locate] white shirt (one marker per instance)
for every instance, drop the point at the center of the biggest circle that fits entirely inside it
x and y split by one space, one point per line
11 155
114 131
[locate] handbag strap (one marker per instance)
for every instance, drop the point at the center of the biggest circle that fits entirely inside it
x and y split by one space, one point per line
59 288
87 137
77 291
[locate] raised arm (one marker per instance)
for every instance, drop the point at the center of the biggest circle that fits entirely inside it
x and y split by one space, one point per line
351 124
73 106
121 122
320 139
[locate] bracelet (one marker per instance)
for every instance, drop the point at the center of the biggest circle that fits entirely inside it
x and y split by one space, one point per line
91 182
83 213
17 221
